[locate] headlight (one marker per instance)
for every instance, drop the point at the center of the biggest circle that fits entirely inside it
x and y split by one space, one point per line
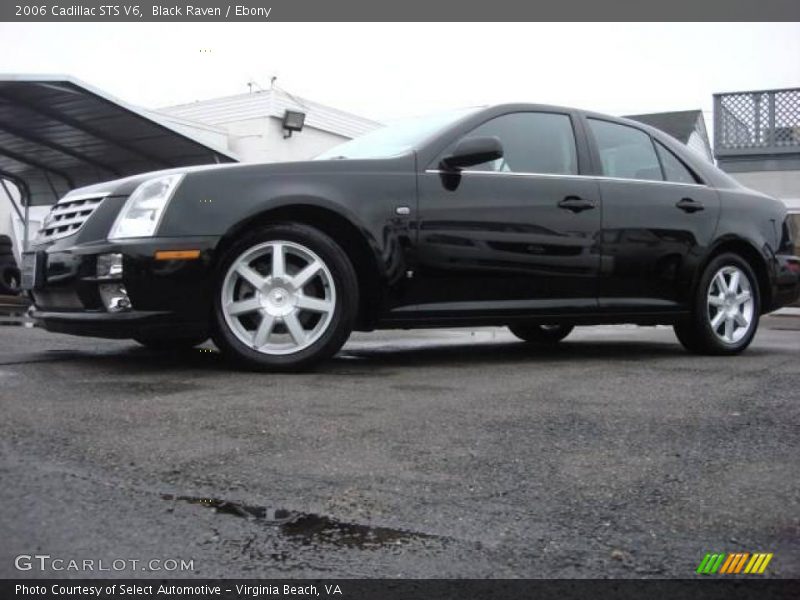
144 208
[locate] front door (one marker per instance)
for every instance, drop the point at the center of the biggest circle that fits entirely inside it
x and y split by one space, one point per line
517 235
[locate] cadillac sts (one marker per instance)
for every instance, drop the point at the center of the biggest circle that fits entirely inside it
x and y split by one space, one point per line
538 218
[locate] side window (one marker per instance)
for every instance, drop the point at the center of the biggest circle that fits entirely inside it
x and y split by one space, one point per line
674 169
625 151
532 143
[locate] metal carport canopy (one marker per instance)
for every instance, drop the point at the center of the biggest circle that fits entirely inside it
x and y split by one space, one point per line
58 133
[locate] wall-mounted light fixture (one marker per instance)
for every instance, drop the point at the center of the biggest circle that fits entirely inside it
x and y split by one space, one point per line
293 120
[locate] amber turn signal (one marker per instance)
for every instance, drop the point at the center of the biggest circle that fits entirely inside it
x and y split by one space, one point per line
177 254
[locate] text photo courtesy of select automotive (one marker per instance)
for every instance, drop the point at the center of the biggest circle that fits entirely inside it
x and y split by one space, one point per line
280 300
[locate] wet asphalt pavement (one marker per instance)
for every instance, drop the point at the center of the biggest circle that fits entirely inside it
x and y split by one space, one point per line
425 454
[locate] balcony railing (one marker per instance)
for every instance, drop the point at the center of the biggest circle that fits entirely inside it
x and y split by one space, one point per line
757 123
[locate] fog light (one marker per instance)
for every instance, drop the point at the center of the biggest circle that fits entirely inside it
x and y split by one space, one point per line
115 297
109 266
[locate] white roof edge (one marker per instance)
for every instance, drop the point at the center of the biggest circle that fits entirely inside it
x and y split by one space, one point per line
217 98
155 114
272 103
143 113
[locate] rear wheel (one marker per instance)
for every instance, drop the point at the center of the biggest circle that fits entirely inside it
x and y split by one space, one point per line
541 334
725 311
286 298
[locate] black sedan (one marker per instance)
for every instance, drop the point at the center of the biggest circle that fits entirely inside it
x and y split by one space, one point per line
535 217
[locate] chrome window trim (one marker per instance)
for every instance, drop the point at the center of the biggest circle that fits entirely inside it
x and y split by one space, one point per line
570 176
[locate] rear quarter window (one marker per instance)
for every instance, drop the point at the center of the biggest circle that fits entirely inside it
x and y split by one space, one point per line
674 169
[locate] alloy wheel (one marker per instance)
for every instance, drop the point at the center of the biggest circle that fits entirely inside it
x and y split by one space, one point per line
730 304
278 297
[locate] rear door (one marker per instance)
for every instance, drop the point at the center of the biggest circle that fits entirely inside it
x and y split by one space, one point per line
658 220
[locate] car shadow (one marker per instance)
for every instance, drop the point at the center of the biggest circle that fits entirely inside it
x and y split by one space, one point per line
508 352
377 355
352 359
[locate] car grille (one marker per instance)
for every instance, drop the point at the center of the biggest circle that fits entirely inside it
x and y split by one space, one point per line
67 217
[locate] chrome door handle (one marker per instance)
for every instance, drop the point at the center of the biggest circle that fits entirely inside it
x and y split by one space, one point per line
576 204
690 206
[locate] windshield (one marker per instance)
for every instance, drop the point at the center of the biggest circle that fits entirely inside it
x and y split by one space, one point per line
396 138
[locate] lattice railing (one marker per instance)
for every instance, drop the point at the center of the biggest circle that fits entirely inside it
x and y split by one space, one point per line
765 122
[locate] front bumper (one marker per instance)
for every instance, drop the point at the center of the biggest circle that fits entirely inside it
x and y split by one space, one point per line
167 296
117 325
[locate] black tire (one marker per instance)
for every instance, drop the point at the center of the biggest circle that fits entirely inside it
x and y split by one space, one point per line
697 333
686 332
9 280
541 334
171 344
339 321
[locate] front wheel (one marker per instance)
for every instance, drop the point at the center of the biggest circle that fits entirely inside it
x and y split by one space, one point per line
725 311
541 334
286 298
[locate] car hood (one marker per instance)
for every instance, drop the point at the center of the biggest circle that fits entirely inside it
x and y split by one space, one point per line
125 186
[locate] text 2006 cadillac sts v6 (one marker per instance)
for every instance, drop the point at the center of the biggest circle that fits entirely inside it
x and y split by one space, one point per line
535 217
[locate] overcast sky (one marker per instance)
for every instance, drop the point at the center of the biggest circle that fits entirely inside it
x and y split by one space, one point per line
386 70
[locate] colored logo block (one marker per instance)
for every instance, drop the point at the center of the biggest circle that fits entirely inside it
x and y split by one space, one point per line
734 563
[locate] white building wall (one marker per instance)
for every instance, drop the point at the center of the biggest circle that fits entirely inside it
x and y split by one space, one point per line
215 137
261 140
253 125
779 184
219 112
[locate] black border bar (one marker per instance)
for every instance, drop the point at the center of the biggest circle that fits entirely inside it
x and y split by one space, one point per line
716 588
398 10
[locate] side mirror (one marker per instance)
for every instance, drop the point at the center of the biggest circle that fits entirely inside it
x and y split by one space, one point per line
473 151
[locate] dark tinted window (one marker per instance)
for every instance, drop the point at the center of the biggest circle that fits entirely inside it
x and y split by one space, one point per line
532 143
674 169
625 151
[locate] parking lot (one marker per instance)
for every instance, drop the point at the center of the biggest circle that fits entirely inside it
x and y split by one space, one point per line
449 453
